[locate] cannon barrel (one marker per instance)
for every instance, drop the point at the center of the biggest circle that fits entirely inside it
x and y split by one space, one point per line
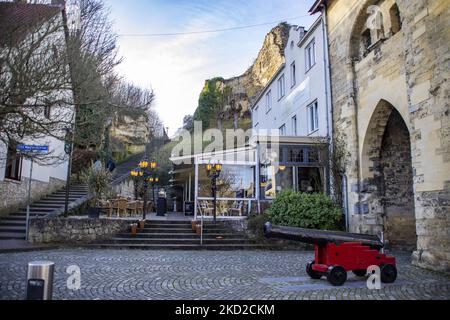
320 237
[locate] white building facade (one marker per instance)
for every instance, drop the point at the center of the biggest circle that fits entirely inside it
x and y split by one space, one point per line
47 175
295 101
296 104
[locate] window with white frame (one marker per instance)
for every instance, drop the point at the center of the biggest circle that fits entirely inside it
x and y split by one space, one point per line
293 75
268 101
313 117
283 130
281 87
294 125
310 55
255 116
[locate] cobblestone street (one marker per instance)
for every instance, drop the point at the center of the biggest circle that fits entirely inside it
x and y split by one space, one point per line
126 274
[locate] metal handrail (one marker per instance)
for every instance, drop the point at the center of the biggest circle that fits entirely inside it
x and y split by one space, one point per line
201 222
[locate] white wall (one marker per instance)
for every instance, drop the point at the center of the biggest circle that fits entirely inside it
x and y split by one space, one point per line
57 169
309 87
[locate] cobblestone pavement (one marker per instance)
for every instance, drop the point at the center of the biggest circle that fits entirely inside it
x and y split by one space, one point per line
125 274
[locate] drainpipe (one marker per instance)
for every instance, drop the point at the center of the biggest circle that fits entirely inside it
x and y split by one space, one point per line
358 162
258 176
328 95
345 200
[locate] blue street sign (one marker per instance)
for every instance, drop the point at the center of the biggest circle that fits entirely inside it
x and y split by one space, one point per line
32 148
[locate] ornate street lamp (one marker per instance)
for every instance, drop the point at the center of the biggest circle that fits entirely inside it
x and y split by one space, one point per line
213 171
144 172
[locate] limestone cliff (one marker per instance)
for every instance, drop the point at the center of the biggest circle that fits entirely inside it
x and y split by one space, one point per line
225 103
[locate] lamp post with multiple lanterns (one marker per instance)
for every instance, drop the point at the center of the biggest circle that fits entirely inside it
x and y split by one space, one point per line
144 172
213 171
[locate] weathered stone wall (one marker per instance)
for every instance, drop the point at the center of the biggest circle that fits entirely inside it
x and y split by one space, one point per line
72 230
14 194
397 184
406 71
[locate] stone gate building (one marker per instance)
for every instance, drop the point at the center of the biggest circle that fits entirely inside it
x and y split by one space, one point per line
389 71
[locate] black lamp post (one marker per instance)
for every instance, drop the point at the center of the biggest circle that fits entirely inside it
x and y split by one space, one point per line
153 181
213 171
144 172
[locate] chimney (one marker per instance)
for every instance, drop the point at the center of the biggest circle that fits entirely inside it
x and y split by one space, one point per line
301 32
58 2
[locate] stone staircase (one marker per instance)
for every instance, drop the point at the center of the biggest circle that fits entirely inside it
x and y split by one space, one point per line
14 225
122 171
178 235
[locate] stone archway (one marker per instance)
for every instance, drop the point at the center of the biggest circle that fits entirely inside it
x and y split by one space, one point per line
387 163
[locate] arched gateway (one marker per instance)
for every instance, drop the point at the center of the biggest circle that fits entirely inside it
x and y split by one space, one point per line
386 159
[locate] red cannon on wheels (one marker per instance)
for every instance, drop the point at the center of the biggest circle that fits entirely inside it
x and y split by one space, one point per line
337 253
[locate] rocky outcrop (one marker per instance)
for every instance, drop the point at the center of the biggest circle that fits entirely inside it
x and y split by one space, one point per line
246 87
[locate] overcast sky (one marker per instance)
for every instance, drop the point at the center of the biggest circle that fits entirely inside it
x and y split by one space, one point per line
177 66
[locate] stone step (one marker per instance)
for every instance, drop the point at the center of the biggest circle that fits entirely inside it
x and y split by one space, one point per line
182 230
36 210
12 218
168 222
168 226
179 241
181 246
23 215
166 230
42 209
164 224
71 194
190 235
12 223
47 203
12 235
12 228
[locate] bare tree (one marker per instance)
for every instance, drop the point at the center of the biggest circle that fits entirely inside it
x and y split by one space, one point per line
35 94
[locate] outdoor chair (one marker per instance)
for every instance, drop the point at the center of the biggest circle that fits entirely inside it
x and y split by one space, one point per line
206 210
139 207
120 206
107 207
132 207
236 209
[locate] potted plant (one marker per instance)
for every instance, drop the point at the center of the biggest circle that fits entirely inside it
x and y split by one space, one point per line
194 224
141 224
134 229
97 180
198 228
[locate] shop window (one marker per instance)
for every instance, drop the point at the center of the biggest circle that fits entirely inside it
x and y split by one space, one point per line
310 180
296 155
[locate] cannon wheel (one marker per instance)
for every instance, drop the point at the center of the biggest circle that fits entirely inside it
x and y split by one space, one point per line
360 273
388 273
337 276
312 273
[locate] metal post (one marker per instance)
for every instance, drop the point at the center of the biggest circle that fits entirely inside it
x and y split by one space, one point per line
66 200
144 211
29 200
258 178
214 189
154 200
196 188
40 280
